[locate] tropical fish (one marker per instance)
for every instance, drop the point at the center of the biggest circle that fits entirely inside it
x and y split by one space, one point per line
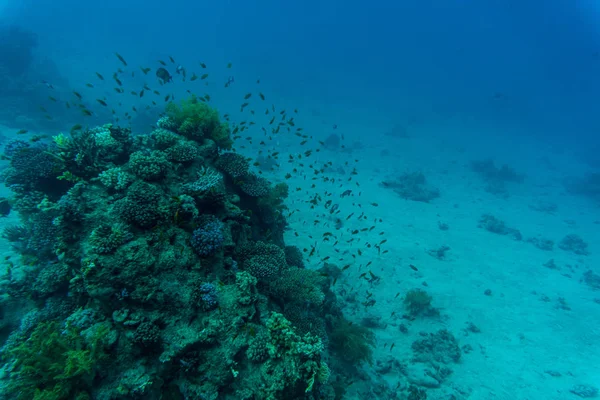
121 59
163 76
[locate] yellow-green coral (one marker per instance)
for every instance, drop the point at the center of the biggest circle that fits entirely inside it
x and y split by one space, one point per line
62 141
54 363
196 119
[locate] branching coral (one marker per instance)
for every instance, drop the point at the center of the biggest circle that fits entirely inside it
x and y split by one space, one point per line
208 179
255 186
264 261
86 153
207 239
150 167
233 164
107 238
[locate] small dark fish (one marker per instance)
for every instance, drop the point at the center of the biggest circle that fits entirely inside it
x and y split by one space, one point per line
48 84
346 193
163 76
171 58
230 80
142 93
162 63
22 132
203 65
194 76
52 98
145 70
78 95
204 76
262 96
4 208
101 102
76 127
229 65
413 267
247 96
334 126
86 112
121 59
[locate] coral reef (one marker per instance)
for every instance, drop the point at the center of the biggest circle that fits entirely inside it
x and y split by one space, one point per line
542 243
413 186
496 178
418 303
575 244
157 269
492 224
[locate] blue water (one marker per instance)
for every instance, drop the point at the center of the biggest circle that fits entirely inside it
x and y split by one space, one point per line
517 82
